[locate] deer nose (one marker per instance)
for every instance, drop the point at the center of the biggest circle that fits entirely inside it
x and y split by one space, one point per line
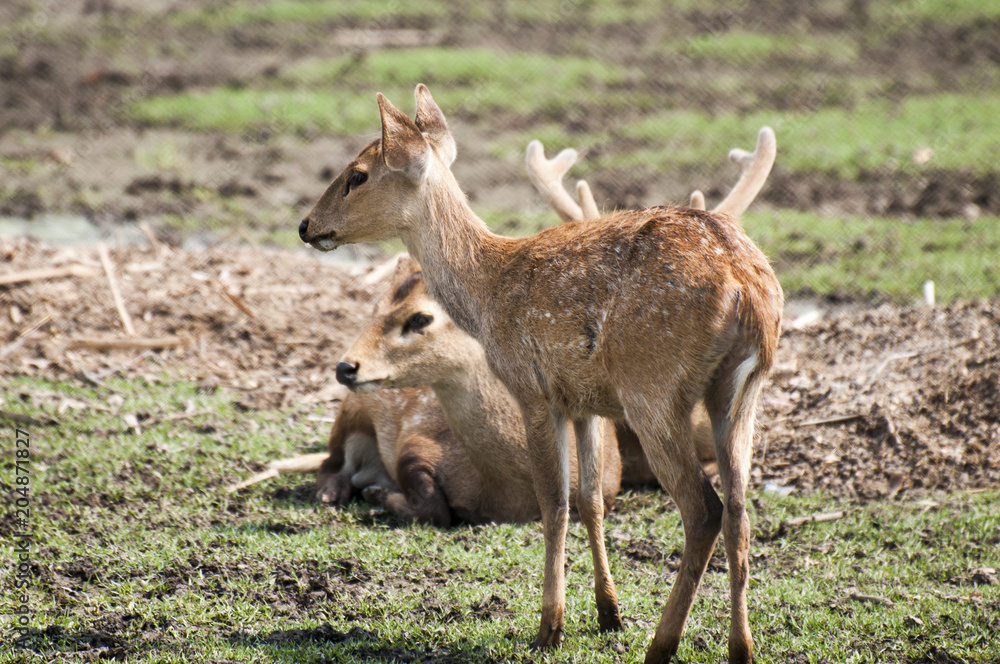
304 229
347 373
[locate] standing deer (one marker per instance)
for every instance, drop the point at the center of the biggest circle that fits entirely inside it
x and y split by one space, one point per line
636 316
547 175
371 432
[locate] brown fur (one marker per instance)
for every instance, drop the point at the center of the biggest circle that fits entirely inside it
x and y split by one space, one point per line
455 448
636 316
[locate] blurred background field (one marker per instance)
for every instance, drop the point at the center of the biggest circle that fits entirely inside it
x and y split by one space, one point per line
204 117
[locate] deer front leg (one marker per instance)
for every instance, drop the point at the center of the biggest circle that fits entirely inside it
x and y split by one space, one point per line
590 503
548 445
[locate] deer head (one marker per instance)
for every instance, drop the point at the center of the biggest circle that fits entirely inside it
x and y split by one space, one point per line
410 340
395 167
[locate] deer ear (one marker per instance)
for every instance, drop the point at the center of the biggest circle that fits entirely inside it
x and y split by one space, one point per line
431 121
403 146
404 266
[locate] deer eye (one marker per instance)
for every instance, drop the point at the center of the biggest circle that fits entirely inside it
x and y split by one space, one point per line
354 180
417 322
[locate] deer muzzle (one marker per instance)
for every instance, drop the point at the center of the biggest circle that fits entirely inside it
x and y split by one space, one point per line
326 242
347 373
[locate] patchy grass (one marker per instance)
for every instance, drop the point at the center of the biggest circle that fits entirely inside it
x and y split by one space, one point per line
880 258
142 556
245 109
337 95
237 14
876 135
741 48
897 16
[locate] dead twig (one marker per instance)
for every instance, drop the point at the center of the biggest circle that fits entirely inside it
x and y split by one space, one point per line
831 420
884 364
151 236
971 597
115 294
814 518
875 599
46 273
25 335
19 418
250 240
143 343
321 418
925 353
235 299
254 479
304 463
174 417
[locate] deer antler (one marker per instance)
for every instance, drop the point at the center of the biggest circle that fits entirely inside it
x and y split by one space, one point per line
587 201
697 200
755 167
547 175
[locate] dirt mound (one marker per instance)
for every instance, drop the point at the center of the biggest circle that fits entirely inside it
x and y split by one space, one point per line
269 324
865 403
879 401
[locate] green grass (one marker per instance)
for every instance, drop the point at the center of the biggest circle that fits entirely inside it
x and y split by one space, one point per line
889 17
338 95
877 135
880 258
140 550
245 109
237 14
739 47
895 16
451 67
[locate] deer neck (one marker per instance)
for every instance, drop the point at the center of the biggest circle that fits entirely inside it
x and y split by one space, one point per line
481 412
456 251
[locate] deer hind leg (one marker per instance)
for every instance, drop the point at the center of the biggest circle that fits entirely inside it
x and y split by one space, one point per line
354 461
667 441
590 504
419 497
731 400
548 446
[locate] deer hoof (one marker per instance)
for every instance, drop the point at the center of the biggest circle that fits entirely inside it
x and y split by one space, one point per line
334 489
609 621
549 636
375 494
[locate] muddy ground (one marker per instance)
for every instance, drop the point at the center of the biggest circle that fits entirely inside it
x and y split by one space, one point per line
76 65
863 402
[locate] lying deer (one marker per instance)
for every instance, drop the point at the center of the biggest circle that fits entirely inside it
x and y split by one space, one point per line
481 468
429 454
636 316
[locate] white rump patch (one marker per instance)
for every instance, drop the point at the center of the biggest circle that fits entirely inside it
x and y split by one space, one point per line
739 380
